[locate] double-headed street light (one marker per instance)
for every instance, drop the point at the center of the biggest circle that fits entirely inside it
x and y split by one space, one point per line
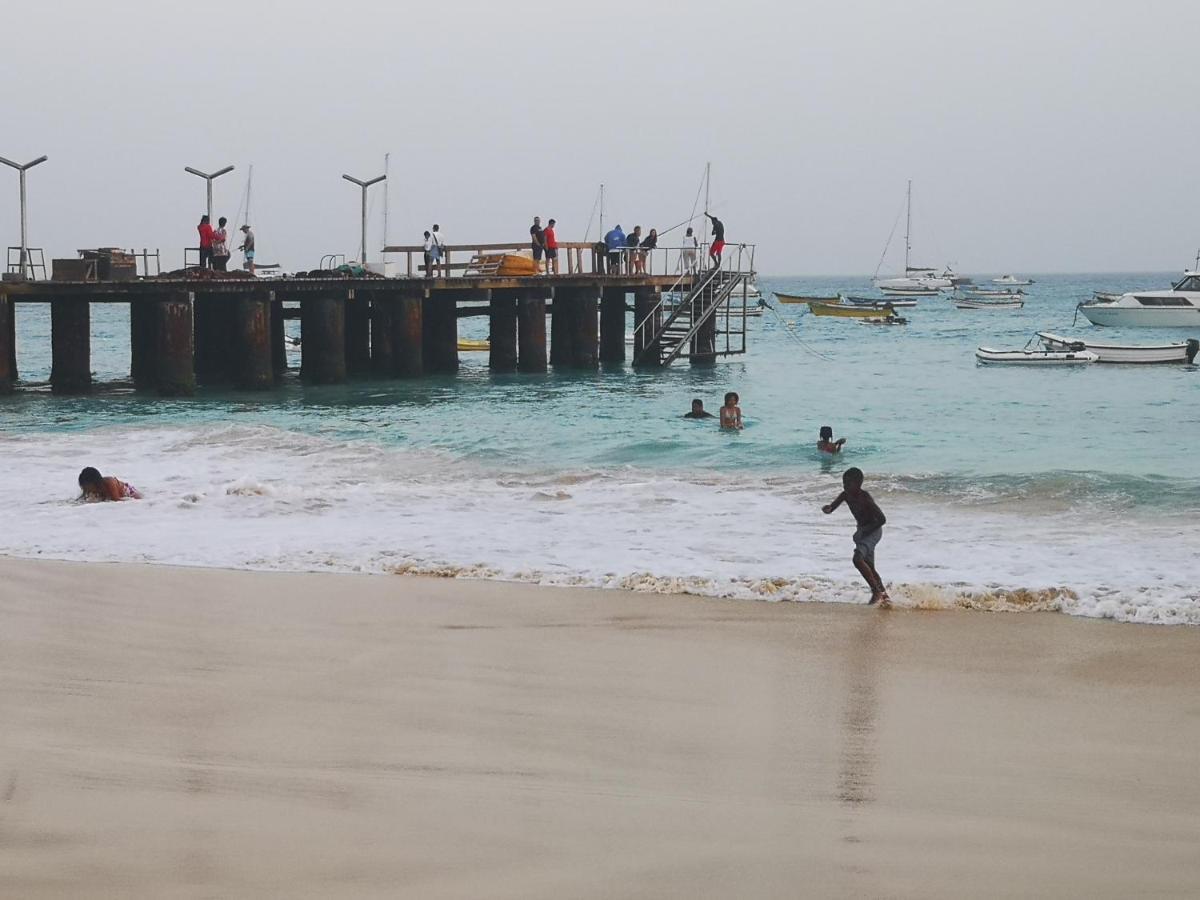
364 185
22 169
209 177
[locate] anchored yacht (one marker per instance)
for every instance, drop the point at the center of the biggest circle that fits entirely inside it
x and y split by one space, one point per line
1177 308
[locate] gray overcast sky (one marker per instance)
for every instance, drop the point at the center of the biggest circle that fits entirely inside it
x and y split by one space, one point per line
1047 136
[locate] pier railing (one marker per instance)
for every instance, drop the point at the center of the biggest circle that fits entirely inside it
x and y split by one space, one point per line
574 257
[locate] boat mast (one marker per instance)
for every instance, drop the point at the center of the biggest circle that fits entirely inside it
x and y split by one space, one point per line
386 158
602 210
707 184
908 230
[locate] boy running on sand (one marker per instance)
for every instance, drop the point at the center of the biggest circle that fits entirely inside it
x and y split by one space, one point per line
870 519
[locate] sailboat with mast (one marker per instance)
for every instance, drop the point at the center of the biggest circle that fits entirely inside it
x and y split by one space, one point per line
916 280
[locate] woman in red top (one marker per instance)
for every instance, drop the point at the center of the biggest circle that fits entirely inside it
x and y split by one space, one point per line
551 240
206 242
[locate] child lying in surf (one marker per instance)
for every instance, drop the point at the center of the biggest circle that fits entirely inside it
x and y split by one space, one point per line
97 487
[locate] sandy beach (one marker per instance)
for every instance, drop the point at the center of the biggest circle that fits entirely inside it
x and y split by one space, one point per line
205 733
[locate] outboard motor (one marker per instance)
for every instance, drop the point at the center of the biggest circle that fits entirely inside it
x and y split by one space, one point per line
1077 346
1193 347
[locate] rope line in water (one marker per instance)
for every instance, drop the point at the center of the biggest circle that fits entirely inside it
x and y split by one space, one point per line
795 337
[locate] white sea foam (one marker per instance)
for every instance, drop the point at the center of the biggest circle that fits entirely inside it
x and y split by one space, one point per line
263 498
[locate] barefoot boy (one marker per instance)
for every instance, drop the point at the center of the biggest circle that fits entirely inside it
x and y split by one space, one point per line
870 519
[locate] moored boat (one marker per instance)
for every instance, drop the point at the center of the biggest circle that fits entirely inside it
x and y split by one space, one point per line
1178 307
968 303
1031 356
1143 354
882 320
466 345
913 291
985 292
803 299
880 302
1012 280
844 311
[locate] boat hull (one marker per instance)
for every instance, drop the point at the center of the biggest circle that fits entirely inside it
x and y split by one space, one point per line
848 312
799 298
1113 316
1035 357
989 304
1124 353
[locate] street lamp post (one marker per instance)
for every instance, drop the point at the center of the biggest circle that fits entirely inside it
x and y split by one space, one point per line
364 185
22 169
209 177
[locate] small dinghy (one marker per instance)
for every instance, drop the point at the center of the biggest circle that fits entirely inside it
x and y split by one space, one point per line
1183 352
800 298
1034 356
967 303
879 302
845 311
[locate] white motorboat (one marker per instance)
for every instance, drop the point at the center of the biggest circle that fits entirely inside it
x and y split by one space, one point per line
1177 308
1012 281
985 292
1030 356
968 303
1104 296
1182 352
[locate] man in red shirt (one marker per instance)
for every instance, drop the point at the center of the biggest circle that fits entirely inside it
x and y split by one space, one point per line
551 248
206 242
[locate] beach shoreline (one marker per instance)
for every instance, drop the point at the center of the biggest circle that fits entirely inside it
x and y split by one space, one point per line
205 732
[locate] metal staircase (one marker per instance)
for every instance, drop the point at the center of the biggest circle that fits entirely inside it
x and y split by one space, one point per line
676 327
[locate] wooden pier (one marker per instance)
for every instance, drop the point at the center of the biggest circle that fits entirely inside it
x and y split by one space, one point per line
228 330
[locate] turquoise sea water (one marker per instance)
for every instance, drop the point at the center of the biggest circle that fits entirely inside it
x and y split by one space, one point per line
1113 446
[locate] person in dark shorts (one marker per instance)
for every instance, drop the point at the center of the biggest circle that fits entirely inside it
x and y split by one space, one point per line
537 241
718 244
870 519
551 240
428 255
698 411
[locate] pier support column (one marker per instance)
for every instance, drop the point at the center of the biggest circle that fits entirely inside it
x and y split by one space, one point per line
703 349
141 343
408 336
612 325
440 332
502 321
8 368
174 360
383 358
279 363
323 339
584 327
250 342
645 301
560 328
358 334
71 346
531 332
212 314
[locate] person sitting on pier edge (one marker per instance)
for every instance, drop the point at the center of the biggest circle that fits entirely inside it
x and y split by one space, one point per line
247 248
439 250
731 413
97 487
826 443
718 244
691 244
632 240
650 243
206 242
537 240
551 240
428 255
614 241
220 246
698 411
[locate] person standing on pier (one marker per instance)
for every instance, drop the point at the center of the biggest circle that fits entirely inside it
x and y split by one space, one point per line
428 255
650 243
439 250
206 242
551 248
614 241
718 244
691 244
220 246
537 240
247 247
631 244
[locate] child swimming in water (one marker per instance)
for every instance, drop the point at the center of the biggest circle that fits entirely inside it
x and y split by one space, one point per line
731 413
97 487
826 443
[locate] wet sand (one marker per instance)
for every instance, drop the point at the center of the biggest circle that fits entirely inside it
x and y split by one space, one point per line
201 733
